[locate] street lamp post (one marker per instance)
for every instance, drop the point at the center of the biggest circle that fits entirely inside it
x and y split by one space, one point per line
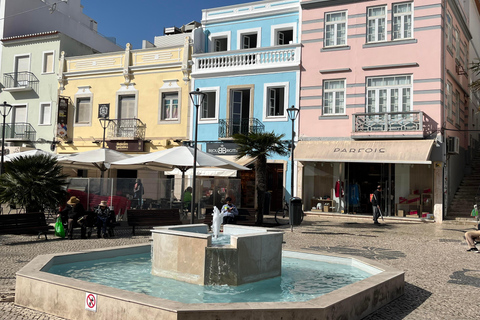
104 122
292 114
4 111
197 98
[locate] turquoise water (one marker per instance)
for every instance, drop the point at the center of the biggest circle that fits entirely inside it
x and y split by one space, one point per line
301 280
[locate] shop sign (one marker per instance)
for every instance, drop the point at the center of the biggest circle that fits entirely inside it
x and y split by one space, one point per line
126 145
62 117
222 149
359 150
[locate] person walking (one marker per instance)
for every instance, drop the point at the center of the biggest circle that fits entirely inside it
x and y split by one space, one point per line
376 202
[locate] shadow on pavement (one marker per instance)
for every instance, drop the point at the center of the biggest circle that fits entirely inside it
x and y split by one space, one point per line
400 308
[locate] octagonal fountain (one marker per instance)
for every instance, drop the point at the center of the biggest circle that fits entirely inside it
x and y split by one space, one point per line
192 276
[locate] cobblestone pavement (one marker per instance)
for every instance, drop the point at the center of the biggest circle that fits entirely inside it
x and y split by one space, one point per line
442 279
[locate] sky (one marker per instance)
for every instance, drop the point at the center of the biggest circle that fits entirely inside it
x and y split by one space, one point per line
133 21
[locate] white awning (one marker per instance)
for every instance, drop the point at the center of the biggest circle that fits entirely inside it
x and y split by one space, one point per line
205 172
376 151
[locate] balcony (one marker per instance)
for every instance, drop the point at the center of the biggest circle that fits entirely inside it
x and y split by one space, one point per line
20 81
126 129
19 132
287 56
228 127
399 125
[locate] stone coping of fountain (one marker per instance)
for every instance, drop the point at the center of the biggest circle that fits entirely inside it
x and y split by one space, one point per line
65 297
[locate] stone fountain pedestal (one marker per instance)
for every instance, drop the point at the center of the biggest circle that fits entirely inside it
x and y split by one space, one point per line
186 253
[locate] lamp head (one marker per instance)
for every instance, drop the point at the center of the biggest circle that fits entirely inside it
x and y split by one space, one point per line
293 113
197 97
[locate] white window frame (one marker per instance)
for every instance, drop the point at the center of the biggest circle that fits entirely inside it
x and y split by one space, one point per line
217 105
175 90
15 70
389 89
41 112
126 90
275 29
44 61
12 112
376 19
82 93
241 33
213 36
402 23
266 87
335 24
334 92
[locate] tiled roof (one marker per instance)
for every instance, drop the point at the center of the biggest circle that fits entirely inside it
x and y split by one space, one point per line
32 35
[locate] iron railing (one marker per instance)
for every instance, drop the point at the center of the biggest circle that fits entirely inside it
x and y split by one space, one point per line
132 128
388 121
229 127
20 131
22 79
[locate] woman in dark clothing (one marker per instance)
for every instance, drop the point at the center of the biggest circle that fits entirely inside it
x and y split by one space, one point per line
103 217
72 212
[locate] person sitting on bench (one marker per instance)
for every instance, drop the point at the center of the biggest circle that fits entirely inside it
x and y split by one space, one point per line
72 213
229 212
103 219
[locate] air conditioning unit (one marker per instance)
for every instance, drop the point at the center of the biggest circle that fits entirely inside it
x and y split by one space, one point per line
453 145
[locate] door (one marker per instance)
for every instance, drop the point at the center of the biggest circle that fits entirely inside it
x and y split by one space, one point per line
22 68
19 122
275 185
239 112
126 115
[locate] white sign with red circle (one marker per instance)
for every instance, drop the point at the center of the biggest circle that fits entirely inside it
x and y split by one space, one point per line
90 302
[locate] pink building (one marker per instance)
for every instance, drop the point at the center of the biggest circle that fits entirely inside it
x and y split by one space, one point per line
384 101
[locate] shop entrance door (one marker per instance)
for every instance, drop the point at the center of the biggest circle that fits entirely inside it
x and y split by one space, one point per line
363 179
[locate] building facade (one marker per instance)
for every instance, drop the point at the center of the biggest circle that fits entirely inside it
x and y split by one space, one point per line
247 61
384 101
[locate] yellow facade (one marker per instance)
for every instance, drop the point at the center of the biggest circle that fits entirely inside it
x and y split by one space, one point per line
136 81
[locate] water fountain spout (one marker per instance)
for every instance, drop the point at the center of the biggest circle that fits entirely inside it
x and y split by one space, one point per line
216 222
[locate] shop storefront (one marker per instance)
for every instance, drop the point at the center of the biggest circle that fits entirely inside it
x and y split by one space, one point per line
339 176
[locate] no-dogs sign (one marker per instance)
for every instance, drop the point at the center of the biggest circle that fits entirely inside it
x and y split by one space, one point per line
90 302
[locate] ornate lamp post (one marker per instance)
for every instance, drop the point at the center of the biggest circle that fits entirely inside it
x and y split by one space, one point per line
6 108
104 122
292 115
197 99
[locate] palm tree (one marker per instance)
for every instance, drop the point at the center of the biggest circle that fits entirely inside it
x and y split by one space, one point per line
260 146
475 67
34 183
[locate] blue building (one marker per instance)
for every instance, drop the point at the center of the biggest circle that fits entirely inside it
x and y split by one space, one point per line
247 60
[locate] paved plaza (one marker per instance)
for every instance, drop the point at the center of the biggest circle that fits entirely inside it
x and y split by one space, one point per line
442 279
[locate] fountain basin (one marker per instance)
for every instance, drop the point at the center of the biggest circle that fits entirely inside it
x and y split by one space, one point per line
66 297
186 253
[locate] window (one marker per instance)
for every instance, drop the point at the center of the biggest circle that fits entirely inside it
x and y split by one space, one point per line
389 94
448 99
22 69
456 106
335 29
48 62
284 37
45 113
402 21
249 41
82 115
220 44
334 97
376 24
457 44
19 114
448 34
276 102
169 106
126 107
208 108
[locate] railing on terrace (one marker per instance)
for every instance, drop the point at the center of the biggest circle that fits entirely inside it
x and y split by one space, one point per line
245 59
132 128
388 122
20 131
20 80
229 127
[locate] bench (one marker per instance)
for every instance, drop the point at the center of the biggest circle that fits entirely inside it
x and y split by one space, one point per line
22 223
152 218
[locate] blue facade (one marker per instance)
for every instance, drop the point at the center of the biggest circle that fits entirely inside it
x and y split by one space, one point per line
247 59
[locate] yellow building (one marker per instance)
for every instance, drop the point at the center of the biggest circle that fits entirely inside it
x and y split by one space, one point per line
143 93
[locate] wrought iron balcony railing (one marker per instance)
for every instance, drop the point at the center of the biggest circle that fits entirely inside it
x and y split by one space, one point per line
392 123
22 131
132 128
229 127
17 81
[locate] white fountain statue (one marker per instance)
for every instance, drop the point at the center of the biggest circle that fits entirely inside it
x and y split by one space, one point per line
216 222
